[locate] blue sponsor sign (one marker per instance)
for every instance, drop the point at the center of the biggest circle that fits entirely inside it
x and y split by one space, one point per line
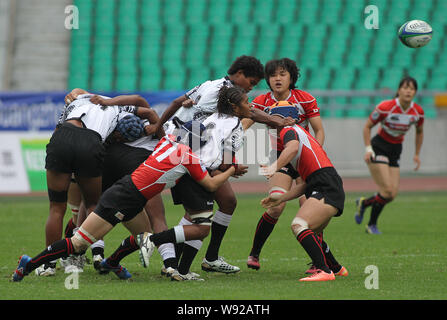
39 111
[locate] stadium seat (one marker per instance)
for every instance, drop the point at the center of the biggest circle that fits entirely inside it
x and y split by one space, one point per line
150 12
195 11
285 12
218 12
174 79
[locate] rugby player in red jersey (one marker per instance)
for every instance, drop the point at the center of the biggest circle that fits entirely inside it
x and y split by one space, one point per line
322 187
281 76
172 158
383 151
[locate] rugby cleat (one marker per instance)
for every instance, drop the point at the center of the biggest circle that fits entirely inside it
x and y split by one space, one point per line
253 263
190 276
360 210
147 248
119 270
46 270
319 275
343 272
20 272
167 272
97 259
219 265
311 269
372 229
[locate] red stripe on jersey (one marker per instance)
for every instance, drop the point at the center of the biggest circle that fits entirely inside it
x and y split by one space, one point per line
311 156
168 163
394 121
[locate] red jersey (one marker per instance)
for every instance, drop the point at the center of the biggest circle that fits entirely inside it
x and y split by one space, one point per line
165 166
394 121
311 156
306 105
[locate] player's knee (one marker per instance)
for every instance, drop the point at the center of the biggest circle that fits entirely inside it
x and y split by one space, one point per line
298 225
82 240
228 205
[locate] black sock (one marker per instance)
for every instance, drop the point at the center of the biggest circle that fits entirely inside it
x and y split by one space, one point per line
178 250
309 241
60 249
68 232
217 234
163 237
367 202
377 208
189 253
170 262
263 230
330 259
128 246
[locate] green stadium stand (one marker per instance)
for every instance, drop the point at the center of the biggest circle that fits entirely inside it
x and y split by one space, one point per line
131 45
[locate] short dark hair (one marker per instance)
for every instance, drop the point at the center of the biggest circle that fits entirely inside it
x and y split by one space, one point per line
228 96
250 67
286 64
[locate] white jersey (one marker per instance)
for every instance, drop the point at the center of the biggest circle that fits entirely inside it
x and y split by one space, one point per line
205 98
225 134
101 119
146 142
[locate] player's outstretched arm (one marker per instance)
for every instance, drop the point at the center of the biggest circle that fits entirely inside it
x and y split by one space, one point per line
173 107
289 152
215 182
123 100
260 116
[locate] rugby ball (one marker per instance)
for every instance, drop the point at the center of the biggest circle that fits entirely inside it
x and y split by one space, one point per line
415 33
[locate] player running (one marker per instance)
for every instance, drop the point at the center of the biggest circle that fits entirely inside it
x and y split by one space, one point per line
382 152
322 187
172 158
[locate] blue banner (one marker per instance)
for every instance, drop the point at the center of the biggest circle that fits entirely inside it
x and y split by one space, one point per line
39 111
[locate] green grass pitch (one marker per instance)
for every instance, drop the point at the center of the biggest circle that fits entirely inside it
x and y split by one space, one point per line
409 256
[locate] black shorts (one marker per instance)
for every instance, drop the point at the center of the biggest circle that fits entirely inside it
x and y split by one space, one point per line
326 183
388 153
121 159
288 169
75 150
121 202
192 195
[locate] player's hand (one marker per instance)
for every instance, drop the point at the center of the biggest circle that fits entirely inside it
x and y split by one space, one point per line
240 170
271 201
98 100
151 129
368 156
289 121
267 171
417 160
188 103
